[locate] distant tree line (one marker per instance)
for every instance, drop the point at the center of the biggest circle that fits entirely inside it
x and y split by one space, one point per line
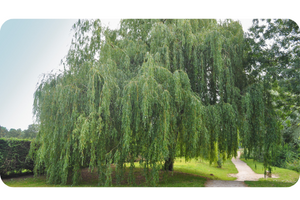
29 133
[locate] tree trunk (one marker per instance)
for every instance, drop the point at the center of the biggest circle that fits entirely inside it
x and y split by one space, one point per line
169 164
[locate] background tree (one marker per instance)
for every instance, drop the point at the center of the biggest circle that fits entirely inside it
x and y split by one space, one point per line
3 132
31 131
275 57
274 60
149 89
14 133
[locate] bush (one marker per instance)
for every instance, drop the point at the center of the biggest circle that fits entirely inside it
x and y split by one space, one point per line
285 154
295 165
13 156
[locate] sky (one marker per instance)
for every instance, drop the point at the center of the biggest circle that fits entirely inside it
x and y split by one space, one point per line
30 48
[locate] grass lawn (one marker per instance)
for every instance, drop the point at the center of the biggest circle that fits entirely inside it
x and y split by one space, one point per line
286 178
27 181
202 168
186 174
175 180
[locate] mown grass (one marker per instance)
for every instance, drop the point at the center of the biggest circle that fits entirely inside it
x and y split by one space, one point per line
171 180
193 173
286 178
203 168
183 180
186 174
27 182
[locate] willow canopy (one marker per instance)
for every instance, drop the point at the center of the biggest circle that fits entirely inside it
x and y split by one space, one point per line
154 89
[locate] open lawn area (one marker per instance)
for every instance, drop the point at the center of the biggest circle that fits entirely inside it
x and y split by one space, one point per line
202 168
186 174
193 173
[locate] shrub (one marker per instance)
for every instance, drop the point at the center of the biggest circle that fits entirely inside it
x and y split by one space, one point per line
285 154
13 156
295 165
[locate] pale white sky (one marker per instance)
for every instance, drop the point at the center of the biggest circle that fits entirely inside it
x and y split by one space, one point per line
28 49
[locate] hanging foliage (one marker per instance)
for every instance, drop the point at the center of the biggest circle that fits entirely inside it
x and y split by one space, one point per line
260 129
153 89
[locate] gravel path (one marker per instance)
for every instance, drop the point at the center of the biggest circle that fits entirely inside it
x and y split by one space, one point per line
219 183
245 173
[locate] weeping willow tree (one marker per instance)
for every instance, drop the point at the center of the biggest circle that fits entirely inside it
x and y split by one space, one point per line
154 89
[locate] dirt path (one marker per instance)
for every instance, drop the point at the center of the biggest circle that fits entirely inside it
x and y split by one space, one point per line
245 173
219 183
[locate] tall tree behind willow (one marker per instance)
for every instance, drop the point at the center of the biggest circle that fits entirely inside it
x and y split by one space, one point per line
275 60
275 56
149 89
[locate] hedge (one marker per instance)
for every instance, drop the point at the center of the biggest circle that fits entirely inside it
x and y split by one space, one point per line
13 156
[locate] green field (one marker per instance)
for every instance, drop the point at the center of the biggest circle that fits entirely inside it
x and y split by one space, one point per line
202 168
186 174
171 180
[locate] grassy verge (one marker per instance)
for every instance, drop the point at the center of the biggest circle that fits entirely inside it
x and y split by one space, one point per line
27 182
286 178
202 168
182 180
186 174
